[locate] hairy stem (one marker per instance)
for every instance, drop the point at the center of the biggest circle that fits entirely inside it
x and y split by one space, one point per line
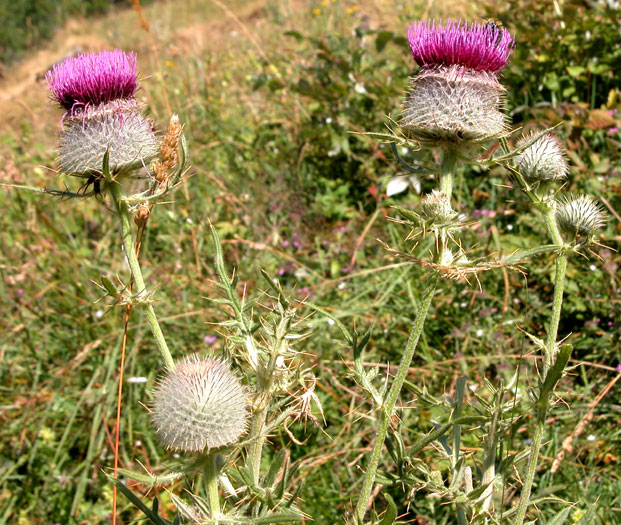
134 265
391 399
446 174
265 385
211 481
544 401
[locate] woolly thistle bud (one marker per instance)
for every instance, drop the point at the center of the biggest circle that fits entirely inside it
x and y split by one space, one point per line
579 216
117 127
454 107
201 405
437 206
542 161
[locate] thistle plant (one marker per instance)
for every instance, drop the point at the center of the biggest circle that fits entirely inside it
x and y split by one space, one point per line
571 223
455 108
210 409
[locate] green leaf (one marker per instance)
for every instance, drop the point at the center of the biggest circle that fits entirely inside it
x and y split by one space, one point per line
561 517
107 284
383 37
276 465
555 373
149 478
295 34
157 520
391 511
575 71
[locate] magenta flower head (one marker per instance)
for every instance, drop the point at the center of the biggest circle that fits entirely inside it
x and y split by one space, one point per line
456 98
481 47
93 79
97 91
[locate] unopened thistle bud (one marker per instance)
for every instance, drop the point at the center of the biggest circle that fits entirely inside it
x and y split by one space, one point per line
456 99
579 216
201 405
102 115
437 207
541 161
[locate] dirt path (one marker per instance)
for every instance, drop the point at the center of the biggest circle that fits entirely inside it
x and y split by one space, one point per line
23 94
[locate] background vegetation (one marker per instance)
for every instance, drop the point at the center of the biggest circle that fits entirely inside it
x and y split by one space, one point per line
270 93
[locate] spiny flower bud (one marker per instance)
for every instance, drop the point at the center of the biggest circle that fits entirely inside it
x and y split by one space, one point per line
93 78
117 127
543 160
437 206
480 47
579 215
201 405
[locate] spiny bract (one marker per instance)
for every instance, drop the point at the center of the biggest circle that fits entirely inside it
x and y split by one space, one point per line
117 127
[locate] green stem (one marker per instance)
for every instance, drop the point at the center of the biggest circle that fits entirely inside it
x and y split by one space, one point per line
542 405
446 177
446 174
134 265
212 471
391 399
265 385
256 433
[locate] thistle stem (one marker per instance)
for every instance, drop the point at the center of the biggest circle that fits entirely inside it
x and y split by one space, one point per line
211 481
265 386
446 175
447 172
548 361
134 265
391 399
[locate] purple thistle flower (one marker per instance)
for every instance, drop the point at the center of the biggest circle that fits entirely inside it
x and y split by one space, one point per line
93 79
481 47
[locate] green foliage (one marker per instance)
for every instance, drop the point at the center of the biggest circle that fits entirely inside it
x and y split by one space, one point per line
27 23
289 191
568 53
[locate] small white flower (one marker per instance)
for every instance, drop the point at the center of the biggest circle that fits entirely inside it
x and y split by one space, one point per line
341 286
479 332
330 321
463 305
510 227
401 183
359 88
136 380
99 314
138 443
592 267
590 437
